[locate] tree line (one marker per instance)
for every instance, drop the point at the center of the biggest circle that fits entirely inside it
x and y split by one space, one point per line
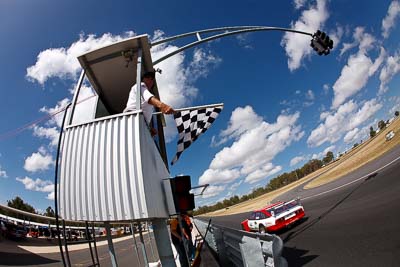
275 183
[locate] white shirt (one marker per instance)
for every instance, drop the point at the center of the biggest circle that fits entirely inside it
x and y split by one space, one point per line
145 96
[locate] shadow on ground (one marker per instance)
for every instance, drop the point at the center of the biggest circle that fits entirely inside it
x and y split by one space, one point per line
17 259
297 257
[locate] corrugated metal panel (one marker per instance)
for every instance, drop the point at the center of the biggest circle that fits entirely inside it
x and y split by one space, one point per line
100 179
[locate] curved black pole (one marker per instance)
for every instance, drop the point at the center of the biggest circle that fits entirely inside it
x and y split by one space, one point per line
56 181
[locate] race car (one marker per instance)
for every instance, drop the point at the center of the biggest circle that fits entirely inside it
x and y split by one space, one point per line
274 217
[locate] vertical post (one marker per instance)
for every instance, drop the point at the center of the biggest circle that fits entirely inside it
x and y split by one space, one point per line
110 245
138 79
134 239
145 259
161 236
149 235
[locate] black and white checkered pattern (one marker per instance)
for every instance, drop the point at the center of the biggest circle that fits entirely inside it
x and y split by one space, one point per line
191 124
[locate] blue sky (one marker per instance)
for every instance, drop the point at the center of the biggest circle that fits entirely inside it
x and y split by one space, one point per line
284 105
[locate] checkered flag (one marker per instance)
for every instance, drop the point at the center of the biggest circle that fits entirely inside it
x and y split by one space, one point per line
191 123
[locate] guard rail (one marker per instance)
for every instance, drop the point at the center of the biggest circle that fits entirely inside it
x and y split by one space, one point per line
240 248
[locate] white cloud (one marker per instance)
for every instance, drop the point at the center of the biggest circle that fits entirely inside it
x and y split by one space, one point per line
39 161
310 95
255 144
347 117
297 46
395 105
211 176
213 190
323 153
62 62
363 40
355 74
353 78
359 67
296 160
38 185
326 88
49 133
234 186
56 119
50 196
351 135
265 171
299 3
389 21
389 70
3 173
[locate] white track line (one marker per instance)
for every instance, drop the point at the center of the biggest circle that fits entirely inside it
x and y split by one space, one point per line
349 183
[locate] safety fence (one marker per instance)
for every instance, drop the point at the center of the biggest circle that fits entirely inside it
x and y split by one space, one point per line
240 248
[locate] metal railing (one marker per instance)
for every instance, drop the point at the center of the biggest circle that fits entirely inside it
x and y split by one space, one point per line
240 248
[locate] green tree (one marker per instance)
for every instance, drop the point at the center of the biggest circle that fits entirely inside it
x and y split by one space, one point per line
396 113
355 145
49 212
328 158
381 124
372 132
19 204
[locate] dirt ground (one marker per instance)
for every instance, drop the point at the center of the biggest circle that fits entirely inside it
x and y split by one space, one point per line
352 160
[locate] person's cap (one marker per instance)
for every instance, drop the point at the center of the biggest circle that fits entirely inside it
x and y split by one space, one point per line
149 74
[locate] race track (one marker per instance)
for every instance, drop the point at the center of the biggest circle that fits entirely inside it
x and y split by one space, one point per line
354 221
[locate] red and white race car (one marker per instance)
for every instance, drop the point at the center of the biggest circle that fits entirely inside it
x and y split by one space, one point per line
274 217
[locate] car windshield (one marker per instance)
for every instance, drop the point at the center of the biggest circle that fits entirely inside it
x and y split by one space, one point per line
257 215
284 207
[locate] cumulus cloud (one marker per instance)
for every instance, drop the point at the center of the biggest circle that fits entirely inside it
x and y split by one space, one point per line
354 76
323 153
234 186
49 133
38 185
389 70
347 117
56 115
222 176
297 160
39 161
265 171
297 46
62 62
255 144
3 173
363 40
351 135
389 21
213 191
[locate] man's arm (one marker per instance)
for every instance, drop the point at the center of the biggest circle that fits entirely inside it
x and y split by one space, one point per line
162 106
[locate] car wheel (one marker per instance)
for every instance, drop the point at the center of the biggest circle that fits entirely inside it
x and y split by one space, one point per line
261 229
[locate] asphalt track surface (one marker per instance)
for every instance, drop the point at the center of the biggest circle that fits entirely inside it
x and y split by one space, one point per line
353 221
127 255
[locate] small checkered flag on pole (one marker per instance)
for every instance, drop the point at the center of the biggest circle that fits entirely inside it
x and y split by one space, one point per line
191 123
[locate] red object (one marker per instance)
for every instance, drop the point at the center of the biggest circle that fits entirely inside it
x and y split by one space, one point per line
274 217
